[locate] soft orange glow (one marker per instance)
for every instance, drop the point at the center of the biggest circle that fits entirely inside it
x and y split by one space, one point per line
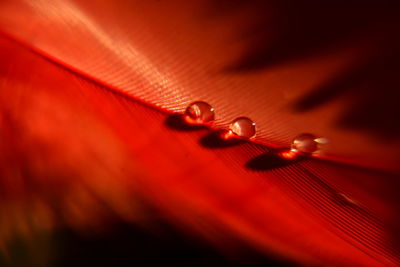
190 120
228 134
289 154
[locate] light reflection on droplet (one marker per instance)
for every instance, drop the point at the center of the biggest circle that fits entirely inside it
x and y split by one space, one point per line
227 134
199 112
307 143
288 154
243 127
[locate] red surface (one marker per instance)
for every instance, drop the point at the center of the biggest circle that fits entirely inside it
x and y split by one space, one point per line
171 53
71 147
76 144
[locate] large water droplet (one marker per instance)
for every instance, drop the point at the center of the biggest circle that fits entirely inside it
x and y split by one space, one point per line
243 127
307 143
199 112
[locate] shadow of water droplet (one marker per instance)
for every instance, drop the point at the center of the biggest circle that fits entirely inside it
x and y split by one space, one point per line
269 161
215 140
177 122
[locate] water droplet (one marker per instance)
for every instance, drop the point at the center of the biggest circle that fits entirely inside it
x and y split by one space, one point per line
307 143
199 112
243 127
345 199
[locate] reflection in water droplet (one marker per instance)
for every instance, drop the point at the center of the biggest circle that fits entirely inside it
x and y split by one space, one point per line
243 127
307 143
199 112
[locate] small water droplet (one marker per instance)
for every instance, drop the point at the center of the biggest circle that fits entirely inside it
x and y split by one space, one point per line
307 143
243 127
345 199
199 112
